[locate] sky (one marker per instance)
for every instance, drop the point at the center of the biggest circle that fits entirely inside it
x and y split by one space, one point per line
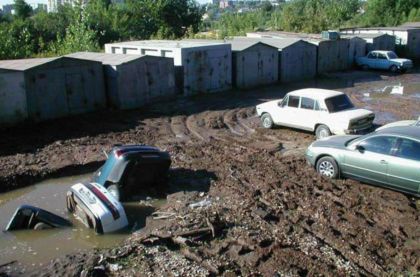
3 2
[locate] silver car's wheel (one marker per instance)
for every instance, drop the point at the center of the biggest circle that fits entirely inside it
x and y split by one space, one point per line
327 167
267 121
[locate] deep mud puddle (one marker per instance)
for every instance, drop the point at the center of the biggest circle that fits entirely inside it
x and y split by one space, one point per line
382 97
34 248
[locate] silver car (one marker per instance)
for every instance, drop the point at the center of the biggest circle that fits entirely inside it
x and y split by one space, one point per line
389 157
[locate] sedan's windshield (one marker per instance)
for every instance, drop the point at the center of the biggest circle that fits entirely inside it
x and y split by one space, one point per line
392 55
338 103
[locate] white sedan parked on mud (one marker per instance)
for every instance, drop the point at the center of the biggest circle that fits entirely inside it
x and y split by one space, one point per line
324 112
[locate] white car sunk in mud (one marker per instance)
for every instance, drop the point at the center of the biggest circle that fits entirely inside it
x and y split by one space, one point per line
96 208
324 112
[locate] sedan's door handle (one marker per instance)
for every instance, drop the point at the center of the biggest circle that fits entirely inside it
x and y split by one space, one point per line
383 162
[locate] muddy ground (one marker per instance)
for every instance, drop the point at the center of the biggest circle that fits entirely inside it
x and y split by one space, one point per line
265 212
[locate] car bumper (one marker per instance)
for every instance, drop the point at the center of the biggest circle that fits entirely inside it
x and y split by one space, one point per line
310 157
358 131
405 66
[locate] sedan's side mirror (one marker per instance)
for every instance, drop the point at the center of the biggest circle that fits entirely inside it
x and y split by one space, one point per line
360 148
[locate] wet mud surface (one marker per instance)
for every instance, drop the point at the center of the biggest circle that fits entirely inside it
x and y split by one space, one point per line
265 212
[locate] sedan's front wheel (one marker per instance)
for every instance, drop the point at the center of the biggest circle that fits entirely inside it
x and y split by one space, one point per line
267 121
393 68
327 167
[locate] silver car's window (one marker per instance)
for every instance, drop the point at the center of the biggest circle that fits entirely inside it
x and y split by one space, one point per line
409 149
307 103
379 144
382 56
293 101
372 56
392 55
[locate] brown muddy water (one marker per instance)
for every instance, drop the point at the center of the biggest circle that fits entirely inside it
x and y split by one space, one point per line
384 96
33 248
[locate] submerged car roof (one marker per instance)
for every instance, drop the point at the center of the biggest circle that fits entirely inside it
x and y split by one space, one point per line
408 131
316 93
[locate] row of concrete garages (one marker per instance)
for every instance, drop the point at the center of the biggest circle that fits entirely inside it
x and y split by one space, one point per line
47 88
209 66
132 74
337 54
406 36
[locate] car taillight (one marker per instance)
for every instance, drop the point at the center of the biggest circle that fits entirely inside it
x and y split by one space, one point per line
119 153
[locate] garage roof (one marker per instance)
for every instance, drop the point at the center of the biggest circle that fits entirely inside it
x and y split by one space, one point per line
105 58
25 64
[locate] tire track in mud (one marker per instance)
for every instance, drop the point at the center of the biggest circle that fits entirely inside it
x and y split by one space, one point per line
179 128
191 124
244 119
230 118
158 131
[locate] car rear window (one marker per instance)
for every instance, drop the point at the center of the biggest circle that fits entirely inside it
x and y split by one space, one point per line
293 101
409 149
307 103
338 103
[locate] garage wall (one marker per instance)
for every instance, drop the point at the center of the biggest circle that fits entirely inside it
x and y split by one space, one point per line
64 87
13 105
333 55
257 65
207 69
357 49
298 62
413 44
385 42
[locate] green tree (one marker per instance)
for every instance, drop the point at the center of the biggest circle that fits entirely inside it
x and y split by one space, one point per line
175 17
413 16
17 39
22 9
78 37
388 12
